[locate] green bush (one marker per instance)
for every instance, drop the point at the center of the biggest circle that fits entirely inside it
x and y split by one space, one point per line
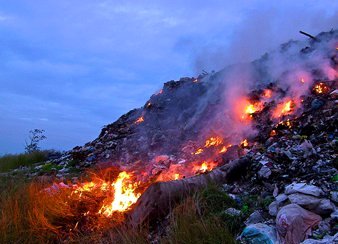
214 200
187 226
13 161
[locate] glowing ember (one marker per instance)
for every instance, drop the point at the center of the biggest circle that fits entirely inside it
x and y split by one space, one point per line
273 133
282 109
286 123
124 196
245 143
267 93
176 176
199 151
321 88
213 141
139 120
224 149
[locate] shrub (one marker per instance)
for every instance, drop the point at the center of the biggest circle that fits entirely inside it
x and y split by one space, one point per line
10 161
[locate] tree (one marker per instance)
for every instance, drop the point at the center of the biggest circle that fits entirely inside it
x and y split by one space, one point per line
35 136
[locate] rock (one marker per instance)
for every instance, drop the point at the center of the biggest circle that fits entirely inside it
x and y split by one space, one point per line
254 218
258 233
334 93
264 172
324 226
273 208
294 223
233 212
306 201
334 196
281 198
275 191
317 205
334 215
226 187
307 148
64 170
325 207
326 240
303 188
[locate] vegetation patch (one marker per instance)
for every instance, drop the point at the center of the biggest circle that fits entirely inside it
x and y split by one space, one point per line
13 161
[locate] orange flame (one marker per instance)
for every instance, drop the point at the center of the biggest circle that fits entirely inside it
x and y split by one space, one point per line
205 166
321 88
176 176
213 141
198 151
273 133
124 196
139 120
267 93
284 108
224 149
250 109
244 143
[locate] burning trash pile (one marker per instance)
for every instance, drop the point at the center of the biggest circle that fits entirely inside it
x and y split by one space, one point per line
279 113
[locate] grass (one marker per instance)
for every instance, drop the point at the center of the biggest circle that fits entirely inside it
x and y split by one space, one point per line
187 226
13 161
30 214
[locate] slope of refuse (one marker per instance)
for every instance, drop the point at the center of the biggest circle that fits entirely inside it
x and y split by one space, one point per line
279 112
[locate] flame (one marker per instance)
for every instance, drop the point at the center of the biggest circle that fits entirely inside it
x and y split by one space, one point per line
286 123
139 120
273 133
250 109
284 108
205 166
213 141
321 88
124 195
198 151
225 148
244 143
176 176
267 93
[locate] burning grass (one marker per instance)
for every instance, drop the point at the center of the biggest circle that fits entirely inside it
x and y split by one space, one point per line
35 212
30 214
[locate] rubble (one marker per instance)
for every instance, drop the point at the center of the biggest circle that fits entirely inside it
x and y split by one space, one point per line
293 156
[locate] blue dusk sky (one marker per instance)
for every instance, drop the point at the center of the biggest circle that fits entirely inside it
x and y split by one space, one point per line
70 67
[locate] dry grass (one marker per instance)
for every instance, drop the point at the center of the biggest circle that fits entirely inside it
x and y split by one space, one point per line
30 214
